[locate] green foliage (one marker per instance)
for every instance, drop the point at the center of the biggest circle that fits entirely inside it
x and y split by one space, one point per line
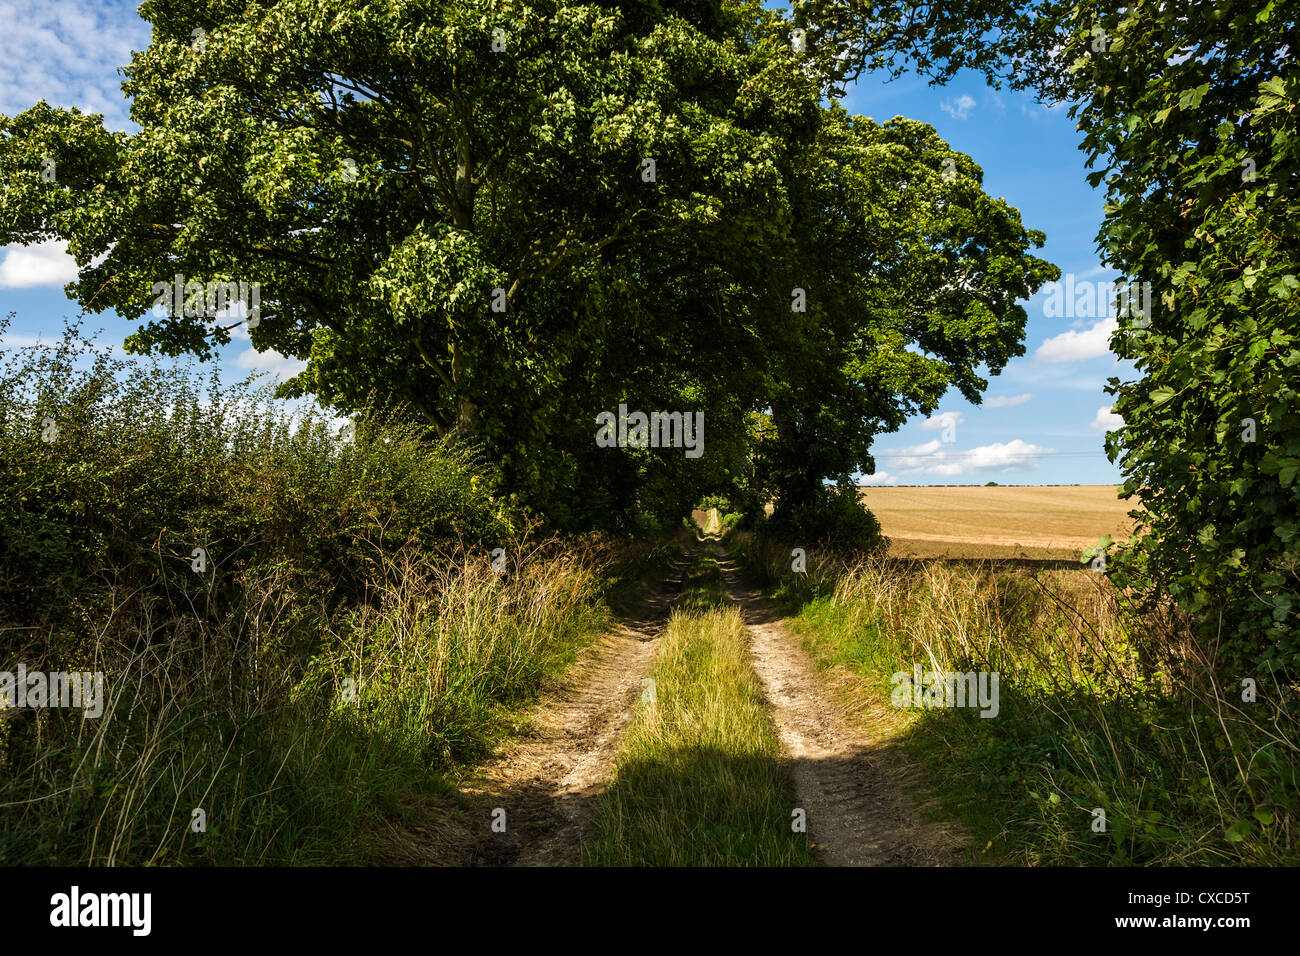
148 461
834 517
304 735
846 38
381 170
888 326
392 181
708 502
1200 160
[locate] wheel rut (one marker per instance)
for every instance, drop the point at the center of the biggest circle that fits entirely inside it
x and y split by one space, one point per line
541 790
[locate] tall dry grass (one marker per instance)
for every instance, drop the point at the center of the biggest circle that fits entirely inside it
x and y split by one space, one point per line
293 732
1104 706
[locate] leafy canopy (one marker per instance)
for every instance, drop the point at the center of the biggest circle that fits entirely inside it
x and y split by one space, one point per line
510 217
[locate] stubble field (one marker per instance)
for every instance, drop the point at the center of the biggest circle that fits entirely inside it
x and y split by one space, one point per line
1039 523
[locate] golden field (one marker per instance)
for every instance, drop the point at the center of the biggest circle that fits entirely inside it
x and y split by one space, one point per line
1002 522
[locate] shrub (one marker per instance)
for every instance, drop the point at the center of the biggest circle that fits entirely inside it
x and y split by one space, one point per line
835 517
115 472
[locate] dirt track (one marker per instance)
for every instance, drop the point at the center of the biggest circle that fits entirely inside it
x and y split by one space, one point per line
858 812
549 781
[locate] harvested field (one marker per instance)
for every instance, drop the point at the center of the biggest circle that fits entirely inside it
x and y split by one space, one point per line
1039 523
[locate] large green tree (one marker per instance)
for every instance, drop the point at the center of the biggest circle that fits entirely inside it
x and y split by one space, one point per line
910 274
510 217
459 206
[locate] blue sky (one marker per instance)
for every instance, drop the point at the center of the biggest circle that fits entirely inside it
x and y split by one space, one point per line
1043 419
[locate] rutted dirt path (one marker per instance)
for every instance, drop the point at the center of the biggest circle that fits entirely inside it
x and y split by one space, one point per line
859 804
549 781
858 810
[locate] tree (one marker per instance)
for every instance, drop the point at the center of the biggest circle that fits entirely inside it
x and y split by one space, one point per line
910 274
1201 166
441 203
511 218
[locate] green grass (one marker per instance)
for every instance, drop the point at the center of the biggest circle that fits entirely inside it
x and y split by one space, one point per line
698 781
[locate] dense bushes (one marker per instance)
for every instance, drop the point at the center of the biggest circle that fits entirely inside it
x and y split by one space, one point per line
115 472
347 639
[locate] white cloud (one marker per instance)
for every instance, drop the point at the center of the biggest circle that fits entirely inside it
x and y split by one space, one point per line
879 478
1004 456
15 340
1074 346
281 367
46 263
959 108
1050 376
1007 401
1106 420
942 420
68 52
936 458
928 457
